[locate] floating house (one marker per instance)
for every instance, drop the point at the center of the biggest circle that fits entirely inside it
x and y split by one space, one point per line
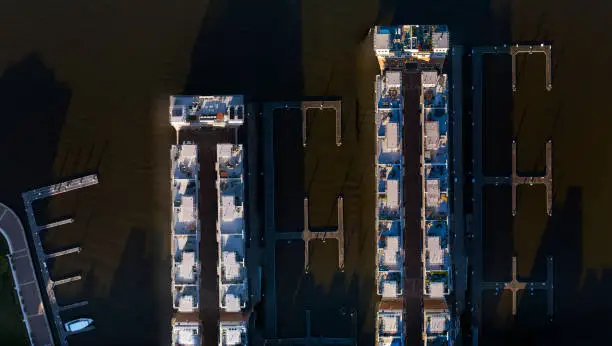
213 111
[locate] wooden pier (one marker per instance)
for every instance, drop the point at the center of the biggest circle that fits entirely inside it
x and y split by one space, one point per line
530 49
515 286
306 235
321 105
546 179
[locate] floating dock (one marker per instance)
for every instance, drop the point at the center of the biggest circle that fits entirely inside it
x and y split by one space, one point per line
45 192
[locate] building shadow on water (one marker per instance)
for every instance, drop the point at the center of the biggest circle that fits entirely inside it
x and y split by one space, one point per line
248 47
580 303
34 106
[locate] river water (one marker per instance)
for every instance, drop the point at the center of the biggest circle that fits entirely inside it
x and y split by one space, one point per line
84 87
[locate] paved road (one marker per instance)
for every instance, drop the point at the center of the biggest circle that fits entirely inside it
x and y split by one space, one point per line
24 275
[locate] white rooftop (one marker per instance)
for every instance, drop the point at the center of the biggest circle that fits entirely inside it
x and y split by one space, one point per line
432 135
232 303
391 250
391 139
429 78
436 289
436 254
390 324
394 78
186 333
437 324
382 41
232 334
186 304
186 337
393 194
184 159
389 289
186 266
231 265
187 211
433 192
228 208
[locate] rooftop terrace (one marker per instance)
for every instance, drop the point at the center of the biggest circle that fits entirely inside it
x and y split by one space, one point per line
437 328
186 333
220 111
389 328
411 40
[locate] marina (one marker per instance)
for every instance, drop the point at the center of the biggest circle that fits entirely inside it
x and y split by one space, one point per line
476 222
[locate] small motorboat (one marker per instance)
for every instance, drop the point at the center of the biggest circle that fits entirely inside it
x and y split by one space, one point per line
78 324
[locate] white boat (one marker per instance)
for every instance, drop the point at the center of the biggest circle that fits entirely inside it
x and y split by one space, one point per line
78 324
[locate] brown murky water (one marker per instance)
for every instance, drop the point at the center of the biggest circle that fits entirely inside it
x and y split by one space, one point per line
85 86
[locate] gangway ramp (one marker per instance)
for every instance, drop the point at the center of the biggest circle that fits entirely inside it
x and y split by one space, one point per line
76 249
56 224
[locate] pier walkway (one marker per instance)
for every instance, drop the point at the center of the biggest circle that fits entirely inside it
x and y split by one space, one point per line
475 221
271 236
515 286
529 49
457 215
321 105
28 198
24 276
307 235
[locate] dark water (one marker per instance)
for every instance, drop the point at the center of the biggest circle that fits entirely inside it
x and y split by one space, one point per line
84 86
